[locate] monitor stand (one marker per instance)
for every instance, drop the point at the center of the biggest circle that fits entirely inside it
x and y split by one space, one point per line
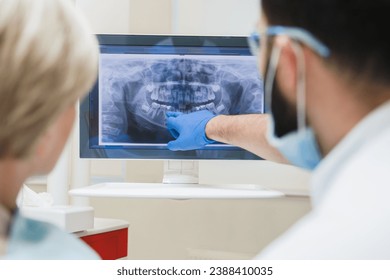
181 172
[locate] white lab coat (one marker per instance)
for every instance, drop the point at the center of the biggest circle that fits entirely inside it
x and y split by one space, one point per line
351 200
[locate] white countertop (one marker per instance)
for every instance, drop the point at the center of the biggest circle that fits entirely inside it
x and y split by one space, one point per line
176 191
102 225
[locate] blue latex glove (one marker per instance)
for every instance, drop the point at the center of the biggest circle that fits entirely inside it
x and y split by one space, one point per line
188 129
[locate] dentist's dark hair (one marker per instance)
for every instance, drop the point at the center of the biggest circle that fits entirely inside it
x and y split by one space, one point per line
356 32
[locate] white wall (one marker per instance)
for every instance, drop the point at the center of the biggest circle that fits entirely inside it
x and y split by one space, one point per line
107 16
206 17
165 229
215 17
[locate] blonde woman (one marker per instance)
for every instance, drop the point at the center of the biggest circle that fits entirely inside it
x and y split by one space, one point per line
48 60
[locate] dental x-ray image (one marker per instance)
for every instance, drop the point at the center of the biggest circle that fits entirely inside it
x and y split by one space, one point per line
135 91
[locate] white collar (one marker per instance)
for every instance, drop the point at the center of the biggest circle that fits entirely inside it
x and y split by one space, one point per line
363 132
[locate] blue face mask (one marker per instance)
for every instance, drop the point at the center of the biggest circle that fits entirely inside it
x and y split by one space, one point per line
299 147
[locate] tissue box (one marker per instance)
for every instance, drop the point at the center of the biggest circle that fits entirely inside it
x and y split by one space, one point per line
70 218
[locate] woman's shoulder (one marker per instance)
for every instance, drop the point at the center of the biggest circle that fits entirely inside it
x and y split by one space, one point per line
33 239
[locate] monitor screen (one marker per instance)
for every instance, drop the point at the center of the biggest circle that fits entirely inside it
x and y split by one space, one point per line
141 77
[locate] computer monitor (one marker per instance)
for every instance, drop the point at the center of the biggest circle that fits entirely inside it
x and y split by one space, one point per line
143 76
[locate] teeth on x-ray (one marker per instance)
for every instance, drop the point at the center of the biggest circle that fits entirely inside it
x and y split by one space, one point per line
140 91
220 108
215 88
145 108
149 88
210 107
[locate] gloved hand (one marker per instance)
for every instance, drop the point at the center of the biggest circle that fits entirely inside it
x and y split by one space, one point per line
188 129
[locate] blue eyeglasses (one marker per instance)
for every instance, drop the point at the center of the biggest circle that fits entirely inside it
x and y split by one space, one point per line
299 34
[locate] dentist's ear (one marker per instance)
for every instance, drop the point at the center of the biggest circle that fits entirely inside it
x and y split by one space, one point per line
287 70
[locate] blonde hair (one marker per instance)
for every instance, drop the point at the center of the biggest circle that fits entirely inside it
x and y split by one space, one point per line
48 59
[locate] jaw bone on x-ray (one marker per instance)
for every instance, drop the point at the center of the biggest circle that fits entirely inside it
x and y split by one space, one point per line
136 91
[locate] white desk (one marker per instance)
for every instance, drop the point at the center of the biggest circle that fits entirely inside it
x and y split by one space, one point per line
175 191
